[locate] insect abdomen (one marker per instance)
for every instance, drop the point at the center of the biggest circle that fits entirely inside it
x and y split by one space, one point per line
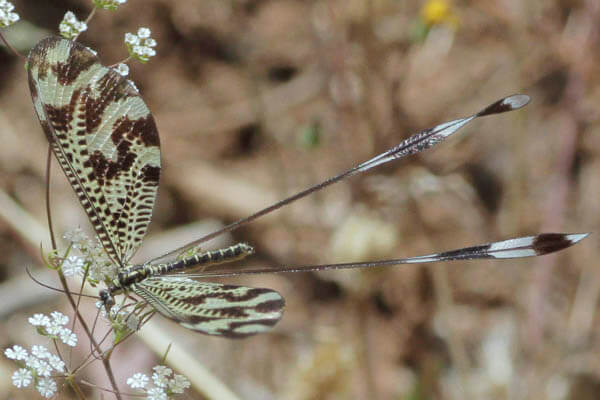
209 258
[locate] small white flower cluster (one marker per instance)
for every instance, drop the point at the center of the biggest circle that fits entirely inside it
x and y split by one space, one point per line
109 4
164 385
7 16
140 46
36 367
54 328
92 257
70 26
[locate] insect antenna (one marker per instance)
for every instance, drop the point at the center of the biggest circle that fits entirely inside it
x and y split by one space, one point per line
414 144
54 288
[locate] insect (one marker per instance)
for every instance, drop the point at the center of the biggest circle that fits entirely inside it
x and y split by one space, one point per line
105 139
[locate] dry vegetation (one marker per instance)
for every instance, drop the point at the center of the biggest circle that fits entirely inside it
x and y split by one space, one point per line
258 99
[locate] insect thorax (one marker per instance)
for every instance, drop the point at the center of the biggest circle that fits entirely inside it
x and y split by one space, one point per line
132 274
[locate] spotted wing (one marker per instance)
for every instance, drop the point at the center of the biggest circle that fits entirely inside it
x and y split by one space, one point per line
212 308
104 138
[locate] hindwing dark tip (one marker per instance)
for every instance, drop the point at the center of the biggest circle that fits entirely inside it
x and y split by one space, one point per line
551 242
506 104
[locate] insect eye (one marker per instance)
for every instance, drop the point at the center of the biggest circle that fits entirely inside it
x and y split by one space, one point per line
106 298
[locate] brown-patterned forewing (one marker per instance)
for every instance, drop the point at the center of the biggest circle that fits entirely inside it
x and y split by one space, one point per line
104 138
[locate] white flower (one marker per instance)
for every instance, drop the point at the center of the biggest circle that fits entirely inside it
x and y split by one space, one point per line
138 381
162 370
149 52
56 363
161 374
43 368
178 384
131 39
157 394
70 26
122 69
143 33
46 387
7 16
137 49
54 329
59 318
160 381
68 337
39 320
73 265
70 17
22 378
32 362
16 353
40 351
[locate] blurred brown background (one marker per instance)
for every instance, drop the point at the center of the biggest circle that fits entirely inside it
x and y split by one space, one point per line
256 100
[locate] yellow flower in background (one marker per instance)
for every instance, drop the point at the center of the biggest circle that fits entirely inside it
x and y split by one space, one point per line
437 12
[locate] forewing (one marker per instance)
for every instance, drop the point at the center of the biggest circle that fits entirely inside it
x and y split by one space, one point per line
212 308
103 136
